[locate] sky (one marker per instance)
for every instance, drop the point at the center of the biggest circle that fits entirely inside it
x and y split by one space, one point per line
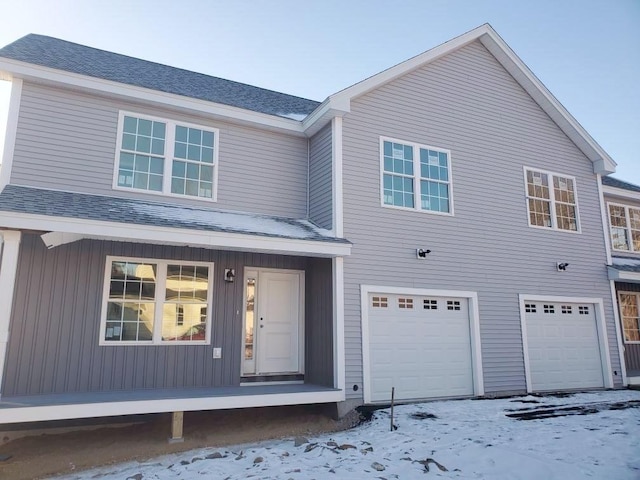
586 52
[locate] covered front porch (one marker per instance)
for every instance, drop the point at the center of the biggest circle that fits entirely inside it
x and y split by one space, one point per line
98 323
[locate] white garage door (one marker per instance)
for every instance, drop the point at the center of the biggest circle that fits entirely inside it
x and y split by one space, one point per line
419 345
564 351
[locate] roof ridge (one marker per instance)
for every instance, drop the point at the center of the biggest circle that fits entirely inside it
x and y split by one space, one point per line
109 52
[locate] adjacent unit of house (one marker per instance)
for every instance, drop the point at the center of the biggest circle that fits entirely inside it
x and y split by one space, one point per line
623 212
175 241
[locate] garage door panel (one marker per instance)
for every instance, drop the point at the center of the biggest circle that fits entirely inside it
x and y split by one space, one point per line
422 352
563 346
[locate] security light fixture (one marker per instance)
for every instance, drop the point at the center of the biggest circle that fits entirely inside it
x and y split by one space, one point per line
421 253
229 275
562 266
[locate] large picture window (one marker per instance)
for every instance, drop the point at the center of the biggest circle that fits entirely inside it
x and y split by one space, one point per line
551 200
156 302
416 177
624 222
167 157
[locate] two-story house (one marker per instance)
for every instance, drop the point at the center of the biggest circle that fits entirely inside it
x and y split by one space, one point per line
622 203
175 241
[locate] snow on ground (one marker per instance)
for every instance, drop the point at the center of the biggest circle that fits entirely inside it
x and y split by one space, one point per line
471 439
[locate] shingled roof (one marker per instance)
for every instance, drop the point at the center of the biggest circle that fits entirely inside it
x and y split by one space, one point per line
72 57
35 201
614 182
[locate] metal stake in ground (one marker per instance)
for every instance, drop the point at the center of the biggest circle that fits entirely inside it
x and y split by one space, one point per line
393 392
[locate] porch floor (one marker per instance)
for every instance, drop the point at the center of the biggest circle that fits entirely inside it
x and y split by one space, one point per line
33 408
150 394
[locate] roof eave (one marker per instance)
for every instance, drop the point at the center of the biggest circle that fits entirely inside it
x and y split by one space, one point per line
72 229
10 69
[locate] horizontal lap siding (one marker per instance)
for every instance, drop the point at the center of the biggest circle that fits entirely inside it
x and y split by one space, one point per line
467 103
55 326
66 141
320 178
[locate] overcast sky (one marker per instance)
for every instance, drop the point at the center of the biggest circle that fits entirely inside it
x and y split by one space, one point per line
587 52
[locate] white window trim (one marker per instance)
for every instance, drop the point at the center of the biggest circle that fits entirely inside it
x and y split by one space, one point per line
603 340
552 200
159 301
416 177
637 295
627 228
168 156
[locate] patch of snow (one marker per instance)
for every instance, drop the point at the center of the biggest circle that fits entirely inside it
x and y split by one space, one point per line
231 222
625 261
294 116
467 439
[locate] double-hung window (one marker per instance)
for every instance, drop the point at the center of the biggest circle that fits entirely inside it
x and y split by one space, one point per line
625 228
167 157
156 302
551 200
416 177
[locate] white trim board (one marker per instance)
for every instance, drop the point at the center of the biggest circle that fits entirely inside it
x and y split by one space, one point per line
620 192
619 337
603 341
108 409
101 230
474 330
6 162
622 275
10 249
15 69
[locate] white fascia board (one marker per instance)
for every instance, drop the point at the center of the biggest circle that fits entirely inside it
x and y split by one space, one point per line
602 162
17 69
109 409
620 192
623 276
322 115
6 162
123 232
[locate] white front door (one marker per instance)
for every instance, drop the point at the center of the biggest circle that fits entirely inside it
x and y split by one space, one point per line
276 322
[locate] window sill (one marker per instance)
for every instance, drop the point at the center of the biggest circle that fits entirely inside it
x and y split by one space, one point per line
554 229
417 210
166 195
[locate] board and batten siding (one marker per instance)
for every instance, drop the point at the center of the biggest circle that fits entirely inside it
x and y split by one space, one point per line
66 140
320 178
55 325
467 103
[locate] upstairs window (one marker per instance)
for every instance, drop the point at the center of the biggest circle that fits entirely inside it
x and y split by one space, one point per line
551 200
625 228
416 177
167 157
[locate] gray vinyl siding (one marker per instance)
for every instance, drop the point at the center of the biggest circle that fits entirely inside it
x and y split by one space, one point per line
66 141
631 350
55 325
320 178
467 103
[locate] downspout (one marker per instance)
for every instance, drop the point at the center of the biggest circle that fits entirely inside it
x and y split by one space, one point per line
308 178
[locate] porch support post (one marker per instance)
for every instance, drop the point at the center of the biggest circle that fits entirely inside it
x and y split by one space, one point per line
338 325
176 427
8 269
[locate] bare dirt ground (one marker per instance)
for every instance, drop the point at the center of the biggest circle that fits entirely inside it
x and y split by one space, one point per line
45 455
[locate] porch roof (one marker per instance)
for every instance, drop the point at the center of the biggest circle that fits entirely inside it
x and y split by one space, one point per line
625 270
71 216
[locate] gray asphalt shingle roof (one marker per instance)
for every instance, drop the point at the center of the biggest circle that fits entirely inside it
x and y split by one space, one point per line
72 57
614 182
138 212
